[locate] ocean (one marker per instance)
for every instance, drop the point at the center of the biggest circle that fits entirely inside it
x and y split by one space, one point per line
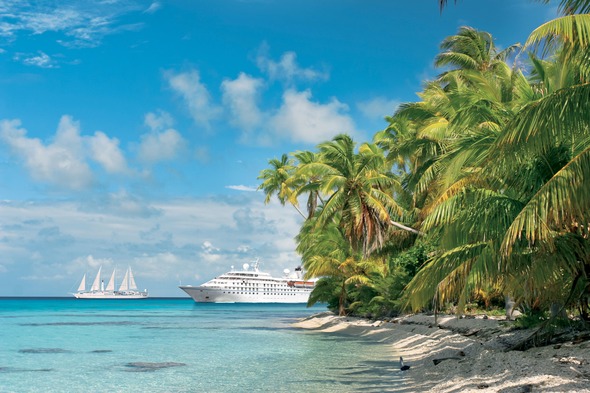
177 345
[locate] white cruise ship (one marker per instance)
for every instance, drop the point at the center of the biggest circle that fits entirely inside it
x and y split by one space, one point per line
250 285
127 289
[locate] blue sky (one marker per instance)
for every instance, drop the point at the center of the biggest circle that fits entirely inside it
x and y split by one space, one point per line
133 132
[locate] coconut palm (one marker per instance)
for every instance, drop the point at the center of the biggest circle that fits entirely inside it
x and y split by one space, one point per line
277 180
326 253
360 191
471 49
529 215
306 181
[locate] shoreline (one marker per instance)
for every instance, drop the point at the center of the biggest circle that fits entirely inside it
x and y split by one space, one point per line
472 354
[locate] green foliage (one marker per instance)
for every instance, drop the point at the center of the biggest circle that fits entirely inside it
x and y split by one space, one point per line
492 165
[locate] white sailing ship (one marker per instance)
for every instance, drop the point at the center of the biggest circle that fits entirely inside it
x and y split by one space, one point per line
127 289
250 285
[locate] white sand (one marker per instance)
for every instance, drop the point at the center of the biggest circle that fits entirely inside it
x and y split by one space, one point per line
481 362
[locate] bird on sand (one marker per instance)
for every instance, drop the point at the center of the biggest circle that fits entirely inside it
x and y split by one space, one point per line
403 366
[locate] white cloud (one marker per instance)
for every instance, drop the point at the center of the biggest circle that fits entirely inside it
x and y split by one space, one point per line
94 263
302 120
106 152
377 108
60 162
64 160
189 239
195 94
80 23
41 60
286 69
155 6
241 96
160 144
209 253
158 121
242 188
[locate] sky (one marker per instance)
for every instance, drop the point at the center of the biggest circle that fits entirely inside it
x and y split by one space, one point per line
132 132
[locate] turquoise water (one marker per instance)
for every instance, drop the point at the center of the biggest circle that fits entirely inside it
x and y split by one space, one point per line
176 345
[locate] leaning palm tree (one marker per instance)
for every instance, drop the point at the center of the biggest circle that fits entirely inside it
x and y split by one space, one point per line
360 192
307 182
277 179
529 216
558 212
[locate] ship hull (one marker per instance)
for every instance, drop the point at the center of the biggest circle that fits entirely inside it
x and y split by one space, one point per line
106 295
221 295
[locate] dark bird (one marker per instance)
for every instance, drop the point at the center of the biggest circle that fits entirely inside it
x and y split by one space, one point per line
403 366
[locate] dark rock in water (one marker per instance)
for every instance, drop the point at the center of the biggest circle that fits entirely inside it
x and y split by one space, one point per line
151 366
101 351
43 350
22 370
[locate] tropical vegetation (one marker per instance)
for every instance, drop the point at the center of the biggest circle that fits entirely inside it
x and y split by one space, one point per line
478 193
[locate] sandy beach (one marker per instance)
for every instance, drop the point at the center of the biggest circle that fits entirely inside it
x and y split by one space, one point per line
471 354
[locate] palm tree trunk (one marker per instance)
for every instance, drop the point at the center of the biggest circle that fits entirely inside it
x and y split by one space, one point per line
509 306
405 228
300 212
341 300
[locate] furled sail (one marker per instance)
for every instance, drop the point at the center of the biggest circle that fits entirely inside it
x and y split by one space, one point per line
111 284
96 283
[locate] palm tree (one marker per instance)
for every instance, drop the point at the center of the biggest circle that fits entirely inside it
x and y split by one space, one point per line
471 49
306 181
328 255
276 180
360 192
525 214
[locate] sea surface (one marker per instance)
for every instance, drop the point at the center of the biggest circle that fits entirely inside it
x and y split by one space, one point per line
177 345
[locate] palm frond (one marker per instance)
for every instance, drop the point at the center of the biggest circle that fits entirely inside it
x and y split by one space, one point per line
560 202
572 30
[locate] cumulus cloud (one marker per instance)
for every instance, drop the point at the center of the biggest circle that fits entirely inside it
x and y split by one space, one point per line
160 146
60 162
378 107
303 120
161 143
158 121
209 253
241 97
286 69
196 96
64 160
106 152
94 263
